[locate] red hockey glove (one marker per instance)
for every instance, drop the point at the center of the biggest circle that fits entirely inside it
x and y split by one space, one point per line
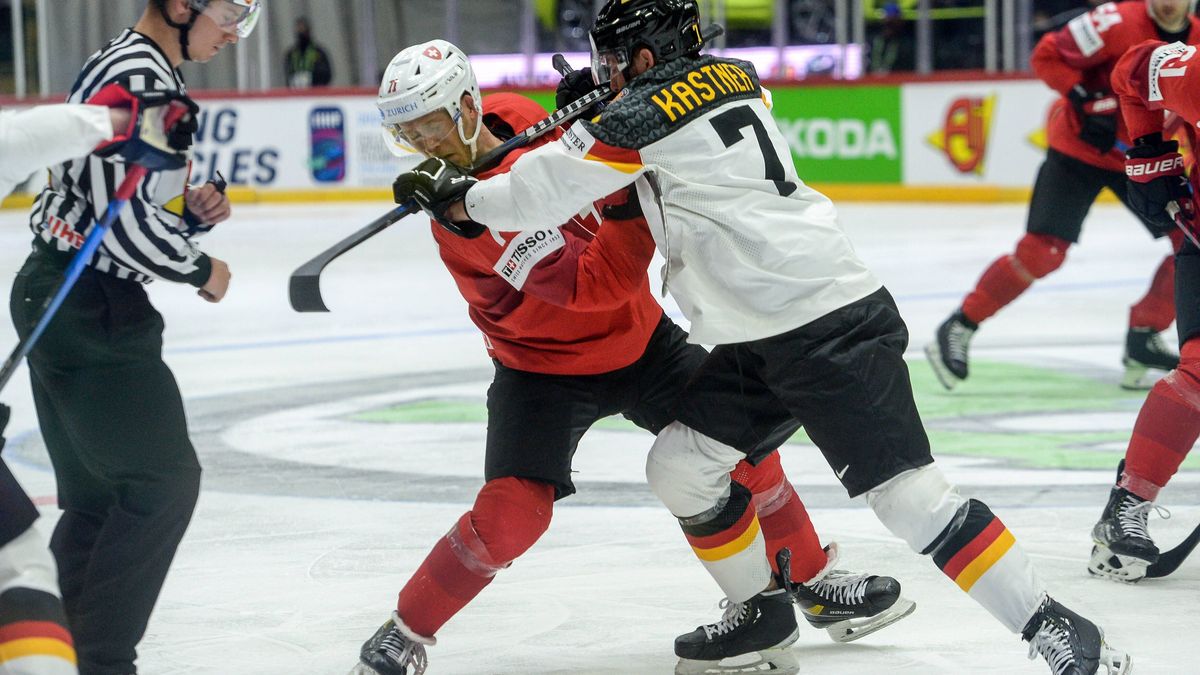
1097 117
1158 188
160 130
435 185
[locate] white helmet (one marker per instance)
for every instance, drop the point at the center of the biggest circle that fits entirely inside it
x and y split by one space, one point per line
424 78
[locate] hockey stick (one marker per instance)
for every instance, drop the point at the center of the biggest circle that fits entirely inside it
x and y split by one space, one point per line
81 259
1170 561
304 286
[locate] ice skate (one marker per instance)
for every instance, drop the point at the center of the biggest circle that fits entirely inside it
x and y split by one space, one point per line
752 636
948 354
1123 547
1071 644
393 650
1145 351
848 605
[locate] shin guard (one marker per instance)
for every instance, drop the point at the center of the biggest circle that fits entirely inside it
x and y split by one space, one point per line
784 520
1156 310
1166 429
509 516
1007 277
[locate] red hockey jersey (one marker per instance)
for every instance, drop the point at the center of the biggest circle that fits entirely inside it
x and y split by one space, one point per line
569 301
1084 52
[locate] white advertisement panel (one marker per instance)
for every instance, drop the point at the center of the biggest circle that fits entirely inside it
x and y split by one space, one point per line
974 133
293 143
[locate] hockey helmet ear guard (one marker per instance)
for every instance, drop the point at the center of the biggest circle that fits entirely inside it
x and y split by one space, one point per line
668 28
422 79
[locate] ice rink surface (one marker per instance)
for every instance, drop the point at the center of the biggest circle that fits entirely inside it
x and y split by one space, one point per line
338 447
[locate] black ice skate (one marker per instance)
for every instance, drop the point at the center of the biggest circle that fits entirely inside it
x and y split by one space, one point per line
1145 351
1123 548
948 354
393 650
1071 644
752 636
848 605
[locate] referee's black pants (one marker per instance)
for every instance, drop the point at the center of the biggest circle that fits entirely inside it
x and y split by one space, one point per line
128 477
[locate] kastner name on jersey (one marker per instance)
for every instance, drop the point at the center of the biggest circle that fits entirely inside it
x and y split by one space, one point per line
717 184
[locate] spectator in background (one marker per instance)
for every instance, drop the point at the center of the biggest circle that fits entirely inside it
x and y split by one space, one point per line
892 47
306 64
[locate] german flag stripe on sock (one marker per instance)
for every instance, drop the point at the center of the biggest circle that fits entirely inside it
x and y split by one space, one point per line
980 542
727 532
25 639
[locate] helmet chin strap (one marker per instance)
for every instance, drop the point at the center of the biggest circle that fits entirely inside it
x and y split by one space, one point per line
185 29
473 141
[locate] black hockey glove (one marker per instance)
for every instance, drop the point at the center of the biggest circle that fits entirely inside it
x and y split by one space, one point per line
1158 189
435 184
1097 117
161 127
573 87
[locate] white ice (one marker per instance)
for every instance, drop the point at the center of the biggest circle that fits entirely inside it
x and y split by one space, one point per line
287 575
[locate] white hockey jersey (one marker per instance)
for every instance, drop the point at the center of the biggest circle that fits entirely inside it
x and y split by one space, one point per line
37 138
751 251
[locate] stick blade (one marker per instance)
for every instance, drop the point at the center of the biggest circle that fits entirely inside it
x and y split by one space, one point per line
1169 561
304 292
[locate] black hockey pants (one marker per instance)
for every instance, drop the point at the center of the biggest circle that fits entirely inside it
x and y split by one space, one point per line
128 478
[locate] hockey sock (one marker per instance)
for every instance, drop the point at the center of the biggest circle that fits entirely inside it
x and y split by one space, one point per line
509 516
1156 310
1007 278
728 541
982 557
784 520
34 639
1167 426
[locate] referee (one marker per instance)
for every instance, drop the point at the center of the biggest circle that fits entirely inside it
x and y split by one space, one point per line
109 409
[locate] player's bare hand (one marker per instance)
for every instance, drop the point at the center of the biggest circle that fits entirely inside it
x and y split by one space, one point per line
208 204
218 282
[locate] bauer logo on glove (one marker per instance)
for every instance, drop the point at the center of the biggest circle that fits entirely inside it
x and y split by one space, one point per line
435 185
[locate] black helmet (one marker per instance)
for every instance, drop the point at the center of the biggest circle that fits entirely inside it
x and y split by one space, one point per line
668 28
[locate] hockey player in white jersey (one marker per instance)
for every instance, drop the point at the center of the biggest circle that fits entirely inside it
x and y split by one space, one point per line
805 333
34 638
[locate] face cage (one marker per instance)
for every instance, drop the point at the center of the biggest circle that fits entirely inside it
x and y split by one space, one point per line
234 16
606 63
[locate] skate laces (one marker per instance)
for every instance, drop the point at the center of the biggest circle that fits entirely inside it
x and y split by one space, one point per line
735 614
958 339
1133 515
842 587
403 652
1053 642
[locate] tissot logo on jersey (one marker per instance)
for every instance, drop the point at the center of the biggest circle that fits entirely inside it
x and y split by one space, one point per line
525 251
697 88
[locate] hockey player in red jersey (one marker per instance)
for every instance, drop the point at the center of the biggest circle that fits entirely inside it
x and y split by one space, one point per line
576 335
1087 139
1151 79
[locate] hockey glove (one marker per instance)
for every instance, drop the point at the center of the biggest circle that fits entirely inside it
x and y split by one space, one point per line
1158 189
160 130
1097 117
435 184
574 86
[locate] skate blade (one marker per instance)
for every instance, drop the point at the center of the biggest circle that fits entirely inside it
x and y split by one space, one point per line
1116 567
1116 662
933 354
361 668
776 661
853 629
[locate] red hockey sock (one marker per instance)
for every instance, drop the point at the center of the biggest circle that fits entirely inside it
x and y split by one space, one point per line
1156 310
1166 427
510 514
1007 278
782 516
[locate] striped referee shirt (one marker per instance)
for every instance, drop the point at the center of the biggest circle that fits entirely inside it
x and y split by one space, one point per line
150 238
